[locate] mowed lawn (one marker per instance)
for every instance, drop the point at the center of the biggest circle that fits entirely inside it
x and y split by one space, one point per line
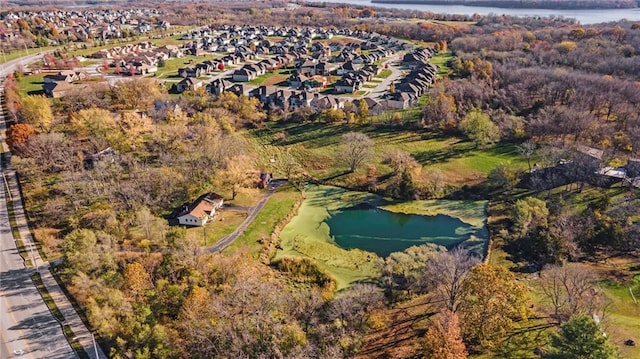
31 85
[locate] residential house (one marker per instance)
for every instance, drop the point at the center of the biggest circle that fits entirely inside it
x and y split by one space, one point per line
399 100
244 74
188 84
348 85
57 89
297 81
219 86
201 211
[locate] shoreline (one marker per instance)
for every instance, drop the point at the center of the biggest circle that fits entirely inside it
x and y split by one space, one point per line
511 4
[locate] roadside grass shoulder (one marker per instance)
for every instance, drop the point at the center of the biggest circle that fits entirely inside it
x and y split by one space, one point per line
57 314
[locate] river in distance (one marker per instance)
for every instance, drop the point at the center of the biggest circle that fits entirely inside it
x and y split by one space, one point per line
583 16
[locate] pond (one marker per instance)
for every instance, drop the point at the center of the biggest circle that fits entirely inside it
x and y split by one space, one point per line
383 232
345 232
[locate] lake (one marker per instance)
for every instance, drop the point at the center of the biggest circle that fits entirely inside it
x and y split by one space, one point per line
583 16
383 232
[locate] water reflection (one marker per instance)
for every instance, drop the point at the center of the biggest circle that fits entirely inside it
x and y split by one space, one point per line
383 232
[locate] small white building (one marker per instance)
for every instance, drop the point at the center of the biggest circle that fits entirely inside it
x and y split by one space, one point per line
201 210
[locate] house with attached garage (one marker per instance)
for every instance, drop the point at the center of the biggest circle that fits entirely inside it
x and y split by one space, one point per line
201 211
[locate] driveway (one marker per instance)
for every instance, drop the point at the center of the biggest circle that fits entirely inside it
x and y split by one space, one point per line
253 212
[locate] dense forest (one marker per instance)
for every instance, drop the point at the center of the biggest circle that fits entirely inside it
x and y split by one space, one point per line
152 291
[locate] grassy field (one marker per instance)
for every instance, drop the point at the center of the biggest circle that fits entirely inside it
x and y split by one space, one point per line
384 74
31 85
271 78
277 207
458 159
442 59
171 66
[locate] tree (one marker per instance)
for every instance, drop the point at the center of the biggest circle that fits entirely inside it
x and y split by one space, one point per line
527 150
363 110
503 177
443 340
439 111
401 161
98 125
570 290
355 149
239 172
479 128
447 272
493 301
36 111
528 214
18 135
79 252
136 279
579 338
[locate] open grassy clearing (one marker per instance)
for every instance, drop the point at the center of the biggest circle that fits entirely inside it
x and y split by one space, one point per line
271 78
384 73
441 59
277 207
171 66
459 160
225 222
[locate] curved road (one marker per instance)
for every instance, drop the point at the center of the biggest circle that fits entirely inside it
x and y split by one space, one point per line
224 242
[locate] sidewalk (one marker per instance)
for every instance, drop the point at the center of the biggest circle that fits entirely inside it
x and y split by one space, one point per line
72 319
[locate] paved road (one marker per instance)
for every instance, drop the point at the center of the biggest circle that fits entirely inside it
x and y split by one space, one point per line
27 327
383 87
253 212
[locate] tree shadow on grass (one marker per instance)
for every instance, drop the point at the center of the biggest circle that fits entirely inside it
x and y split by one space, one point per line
523 342
445 154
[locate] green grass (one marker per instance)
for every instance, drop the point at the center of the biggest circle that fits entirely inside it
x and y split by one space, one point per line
369 86
30 85
22 250
225 222
171 66
384 74
442 60
271 77
277 208
457 158
8 56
